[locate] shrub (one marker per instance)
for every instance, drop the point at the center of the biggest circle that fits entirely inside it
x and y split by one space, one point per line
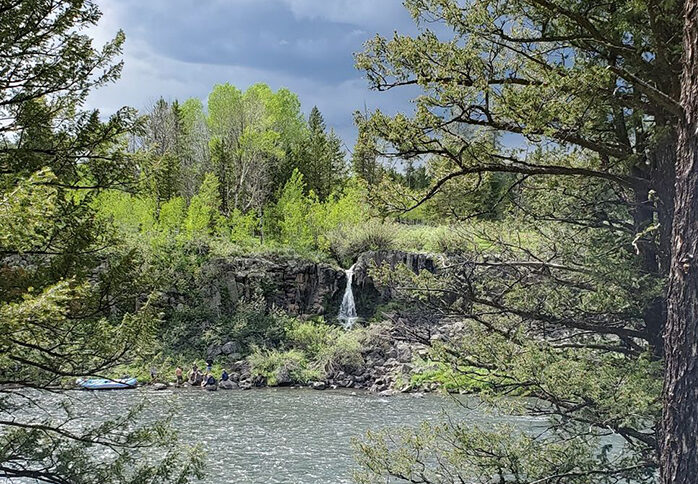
311 337
281 367
202 215
172 214
462 379
252 324
344 353
329 347
347 243
293 214
183 330
128 212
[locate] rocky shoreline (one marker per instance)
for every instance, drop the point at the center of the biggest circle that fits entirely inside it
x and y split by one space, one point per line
383 372
389 366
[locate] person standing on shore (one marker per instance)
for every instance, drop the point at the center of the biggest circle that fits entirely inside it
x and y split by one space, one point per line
178 374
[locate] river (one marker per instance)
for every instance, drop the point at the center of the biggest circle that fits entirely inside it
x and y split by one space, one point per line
284 435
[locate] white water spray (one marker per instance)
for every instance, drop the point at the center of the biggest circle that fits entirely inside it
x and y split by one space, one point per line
347 311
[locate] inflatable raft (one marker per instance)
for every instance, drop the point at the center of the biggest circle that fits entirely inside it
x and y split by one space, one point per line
106 384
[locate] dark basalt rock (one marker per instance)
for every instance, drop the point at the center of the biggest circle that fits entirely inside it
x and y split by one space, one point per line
301 288
367 292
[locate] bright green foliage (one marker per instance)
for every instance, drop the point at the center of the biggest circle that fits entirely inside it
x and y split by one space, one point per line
305 223
452 378
129 213
172 215
341 212
251 134
294 208
253 142
347 207
329 347
242 227
26 212
202 214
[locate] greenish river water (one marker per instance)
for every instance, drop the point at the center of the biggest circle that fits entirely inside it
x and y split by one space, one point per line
285 435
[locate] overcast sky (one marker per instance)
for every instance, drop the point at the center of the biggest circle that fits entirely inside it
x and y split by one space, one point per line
180 48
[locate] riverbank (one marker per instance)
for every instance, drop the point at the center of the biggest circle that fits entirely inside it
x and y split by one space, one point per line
322 356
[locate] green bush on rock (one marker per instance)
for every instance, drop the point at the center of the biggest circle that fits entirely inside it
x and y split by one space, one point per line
279 367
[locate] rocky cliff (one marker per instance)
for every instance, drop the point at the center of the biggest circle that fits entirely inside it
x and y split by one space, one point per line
368 292
298 286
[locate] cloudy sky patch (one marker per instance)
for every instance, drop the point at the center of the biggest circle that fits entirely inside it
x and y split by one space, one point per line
181 48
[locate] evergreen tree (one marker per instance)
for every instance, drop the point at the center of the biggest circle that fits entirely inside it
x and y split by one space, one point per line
573 310
364 161
161 165
416 178
336 162
323 164
66 309
678 443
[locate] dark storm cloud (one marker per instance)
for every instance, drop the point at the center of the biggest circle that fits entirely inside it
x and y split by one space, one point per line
266 35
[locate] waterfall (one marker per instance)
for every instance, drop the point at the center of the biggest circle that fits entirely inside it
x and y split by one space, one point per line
347 311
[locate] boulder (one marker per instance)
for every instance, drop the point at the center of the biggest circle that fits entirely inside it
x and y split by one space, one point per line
283 376
379 387
231 348
159 386
404 352
259 381
405 368
227 385
318 385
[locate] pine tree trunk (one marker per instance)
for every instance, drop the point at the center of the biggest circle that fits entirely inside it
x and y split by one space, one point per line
662 175
679 429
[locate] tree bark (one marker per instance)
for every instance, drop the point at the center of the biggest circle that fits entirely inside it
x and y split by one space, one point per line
656 253
679 426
